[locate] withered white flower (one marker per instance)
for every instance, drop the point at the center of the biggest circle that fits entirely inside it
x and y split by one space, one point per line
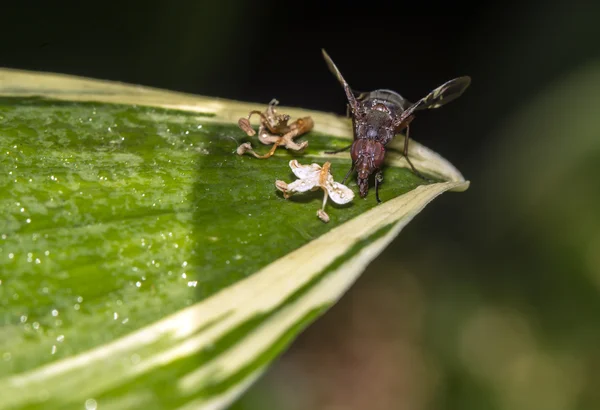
312 177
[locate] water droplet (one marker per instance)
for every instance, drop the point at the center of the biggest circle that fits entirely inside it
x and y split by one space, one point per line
183 275
53 349
184 264
138 284
115 316
60 338
23 318
54 312
11 255
91 404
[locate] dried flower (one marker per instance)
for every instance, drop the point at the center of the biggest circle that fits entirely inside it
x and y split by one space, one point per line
274 129
312 177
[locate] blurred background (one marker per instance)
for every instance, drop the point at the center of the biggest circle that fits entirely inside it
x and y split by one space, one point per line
490 299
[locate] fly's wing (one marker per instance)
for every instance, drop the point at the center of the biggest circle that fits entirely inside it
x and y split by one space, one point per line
384 95
349 94
359 95
445 93
440 96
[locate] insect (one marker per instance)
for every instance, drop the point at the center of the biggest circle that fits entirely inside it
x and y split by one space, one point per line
379 115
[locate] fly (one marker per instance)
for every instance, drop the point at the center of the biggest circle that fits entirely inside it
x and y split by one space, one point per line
379 115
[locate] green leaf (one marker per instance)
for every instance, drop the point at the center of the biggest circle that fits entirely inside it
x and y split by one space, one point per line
144 264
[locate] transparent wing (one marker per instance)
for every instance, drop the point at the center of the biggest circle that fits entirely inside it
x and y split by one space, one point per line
445 93
385 95
332 67
442 95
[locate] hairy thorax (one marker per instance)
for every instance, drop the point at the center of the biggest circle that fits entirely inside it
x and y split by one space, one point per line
375 125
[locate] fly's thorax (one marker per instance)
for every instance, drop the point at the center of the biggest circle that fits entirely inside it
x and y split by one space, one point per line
375 124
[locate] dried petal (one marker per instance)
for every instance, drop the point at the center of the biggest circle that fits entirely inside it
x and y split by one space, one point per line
311 171
301 185
339 193
281 185
244 124
267 138
242 149
290 144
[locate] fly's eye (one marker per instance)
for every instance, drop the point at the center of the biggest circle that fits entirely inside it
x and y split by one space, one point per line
378 155
357 148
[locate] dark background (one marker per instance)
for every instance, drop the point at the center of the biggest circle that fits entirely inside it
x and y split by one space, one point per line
254 51
488 300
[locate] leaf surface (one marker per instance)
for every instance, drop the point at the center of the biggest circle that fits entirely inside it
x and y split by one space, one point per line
144 264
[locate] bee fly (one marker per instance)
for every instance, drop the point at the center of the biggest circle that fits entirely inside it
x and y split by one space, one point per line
379 115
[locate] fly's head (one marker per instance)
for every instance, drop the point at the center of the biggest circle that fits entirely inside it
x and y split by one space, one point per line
367 156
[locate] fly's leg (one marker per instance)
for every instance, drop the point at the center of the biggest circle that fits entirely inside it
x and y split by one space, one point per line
378 180
405 153
348 174
339 150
